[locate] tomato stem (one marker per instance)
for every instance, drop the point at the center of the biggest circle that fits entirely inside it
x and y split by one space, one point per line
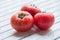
44 12
22 15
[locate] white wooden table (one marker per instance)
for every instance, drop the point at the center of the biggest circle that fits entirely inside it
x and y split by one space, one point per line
9 7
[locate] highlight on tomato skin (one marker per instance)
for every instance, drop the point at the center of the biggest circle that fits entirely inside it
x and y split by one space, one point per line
44 20
32 10
22 21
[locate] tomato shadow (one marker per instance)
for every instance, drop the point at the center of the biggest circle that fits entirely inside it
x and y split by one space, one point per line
43 32
31 32
22 34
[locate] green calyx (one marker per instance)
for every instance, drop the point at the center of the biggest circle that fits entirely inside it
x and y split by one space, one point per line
22 15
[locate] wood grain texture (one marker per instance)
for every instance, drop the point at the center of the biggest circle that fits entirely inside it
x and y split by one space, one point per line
9 7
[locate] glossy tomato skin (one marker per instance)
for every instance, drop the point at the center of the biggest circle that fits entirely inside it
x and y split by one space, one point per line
32 10
24 24
44 20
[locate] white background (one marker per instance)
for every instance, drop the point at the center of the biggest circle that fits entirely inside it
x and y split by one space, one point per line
9 7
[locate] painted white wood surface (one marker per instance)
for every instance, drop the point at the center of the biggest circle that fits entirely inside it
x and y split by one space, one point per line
9 7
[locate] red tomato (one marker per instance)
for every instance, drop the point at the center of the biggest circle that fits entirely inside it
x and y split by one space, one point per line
22 21
31 9
44 20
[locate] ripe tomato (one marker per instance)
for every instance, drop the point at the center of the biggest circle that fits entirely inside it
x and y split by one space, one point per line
22 21
44 20
32 10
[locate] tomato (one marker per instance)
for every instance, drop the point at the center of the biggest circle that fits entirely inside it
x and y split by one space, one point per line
22 21
32 10
44 20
